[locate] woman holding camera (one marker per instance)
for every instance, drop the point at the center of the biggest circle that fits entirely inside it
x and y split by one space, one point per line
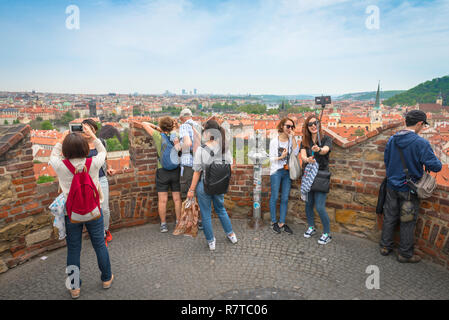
280 150
312 151
75 148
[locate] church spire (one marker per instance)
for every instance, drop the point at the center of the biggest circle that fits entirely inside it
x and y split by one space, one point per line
377 104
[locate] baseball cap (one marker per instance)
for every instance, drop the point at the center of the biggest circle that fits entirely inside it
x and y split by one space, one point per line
186 113
416 115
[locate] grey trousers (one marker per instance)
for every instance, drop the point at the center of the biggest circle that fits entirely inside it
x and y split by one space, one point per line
104 184
394 201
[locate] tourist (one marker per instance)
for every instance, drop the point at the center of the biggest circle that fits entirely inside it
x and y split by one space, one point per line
165 136
281 147
402 204
312 151
187 139
75 148
103 178
215 138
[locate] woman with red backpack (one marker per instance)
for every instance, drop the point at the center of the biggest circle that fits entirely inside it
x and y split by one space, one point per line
75 149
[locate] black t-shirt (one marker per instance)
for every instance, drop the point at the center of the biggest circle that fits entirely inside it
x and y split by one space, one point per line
323 161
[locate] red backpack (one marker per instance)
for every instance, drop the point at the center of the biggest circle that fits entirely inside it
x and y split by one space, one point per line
83 201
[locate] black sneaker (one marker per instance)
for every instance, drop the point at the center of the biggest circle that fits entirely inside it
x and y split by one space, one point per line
286 229
275 228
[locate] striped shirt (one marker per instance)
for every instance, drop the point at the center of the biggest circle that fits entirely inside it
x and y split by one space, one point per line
184 130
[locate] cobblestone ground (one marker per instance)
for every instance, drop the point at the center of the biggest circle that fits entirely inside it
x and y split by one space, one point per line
262 265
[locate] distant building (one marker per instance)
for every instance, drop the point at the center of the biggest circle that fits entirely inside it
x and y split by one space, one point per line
434 107
92 108
376 113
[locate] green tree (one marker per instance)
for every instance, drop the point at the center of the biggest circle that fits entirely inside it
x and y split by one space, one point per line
39 119
6 122
16 121
46 125
45 179
125 139
66 118
113 144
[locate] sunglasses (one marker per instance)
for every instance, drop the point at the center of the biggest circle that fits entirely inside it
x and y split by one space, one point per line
289 126
310 124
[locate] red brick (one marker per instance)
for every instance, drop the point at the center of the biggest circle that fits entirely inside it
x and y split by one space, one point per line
426 230
29 186
429 251
17 167
32 206
16 210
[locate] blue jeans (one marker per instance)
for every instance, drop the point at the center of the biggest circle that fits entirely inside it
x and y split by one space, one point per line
278 179
96 233
205 202
317 199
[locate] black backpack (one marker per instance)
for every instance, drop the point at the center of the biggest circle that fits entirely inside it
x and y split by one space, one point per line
217 175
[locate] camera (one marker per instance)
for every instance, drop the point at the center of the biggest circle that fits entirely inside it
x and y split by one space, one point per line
280 151
323 100
75 127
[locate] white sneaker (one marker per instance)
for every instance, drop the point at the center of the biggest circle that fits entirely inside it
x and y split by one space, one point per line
232 238
310 232
325 239
212 245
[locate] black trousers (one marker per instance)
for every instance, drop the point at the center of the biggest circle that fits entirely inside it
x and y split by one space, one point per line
394 201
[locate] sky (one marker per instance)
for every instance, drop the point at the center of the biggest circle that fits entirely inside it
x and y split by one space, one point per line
224 47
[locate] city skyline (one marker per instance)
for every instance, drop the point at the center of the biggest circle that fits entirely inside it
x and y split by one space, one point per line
221 47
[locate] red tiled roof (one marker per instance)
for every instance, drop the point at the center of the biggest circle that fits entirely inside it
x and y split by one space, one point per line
118 164
44 141
43 153
43 169
442 177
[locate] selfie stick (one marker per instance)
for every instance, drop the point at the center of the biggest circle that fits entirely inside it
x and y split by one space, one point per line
323 105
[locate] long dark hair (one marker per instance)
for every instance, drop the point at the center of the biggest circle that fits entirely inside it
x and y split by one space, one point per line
214 125
307 136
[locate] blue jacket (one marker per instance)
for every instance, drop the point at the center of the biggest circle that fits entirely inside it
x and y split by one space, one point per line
417 153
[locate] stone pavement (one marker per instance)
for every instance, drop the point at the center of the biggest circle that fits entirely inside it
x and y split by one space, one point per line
262 265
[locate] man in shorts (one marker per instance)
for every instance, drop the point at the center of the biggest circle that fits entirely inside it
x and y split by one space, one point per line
165 179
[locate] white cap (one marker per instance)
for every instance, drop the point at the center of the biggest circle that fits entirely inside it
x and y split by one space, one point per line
186 113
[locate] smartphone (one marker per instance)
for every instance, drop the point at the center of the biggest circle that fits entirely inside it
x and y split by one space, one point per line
280 151
76 127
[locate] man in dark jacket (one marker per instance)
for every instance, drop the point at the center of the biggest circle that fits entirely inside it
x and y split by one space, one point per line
401 203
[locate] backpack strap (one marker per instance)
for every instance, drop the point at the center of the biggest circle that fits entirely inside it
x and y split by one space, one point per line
69 166
404 165
72 169
408 180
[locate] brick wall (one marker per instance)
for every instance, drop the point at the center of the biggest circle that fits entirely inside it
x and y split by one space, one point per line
357 167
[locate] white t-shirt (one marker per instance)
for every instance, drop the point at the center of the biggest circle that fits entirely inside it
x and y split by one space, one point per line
275 144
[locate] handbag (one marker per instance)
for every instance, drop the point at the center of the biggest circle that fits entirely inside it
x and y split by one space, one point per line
321 182
425 186
294 166
188 222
